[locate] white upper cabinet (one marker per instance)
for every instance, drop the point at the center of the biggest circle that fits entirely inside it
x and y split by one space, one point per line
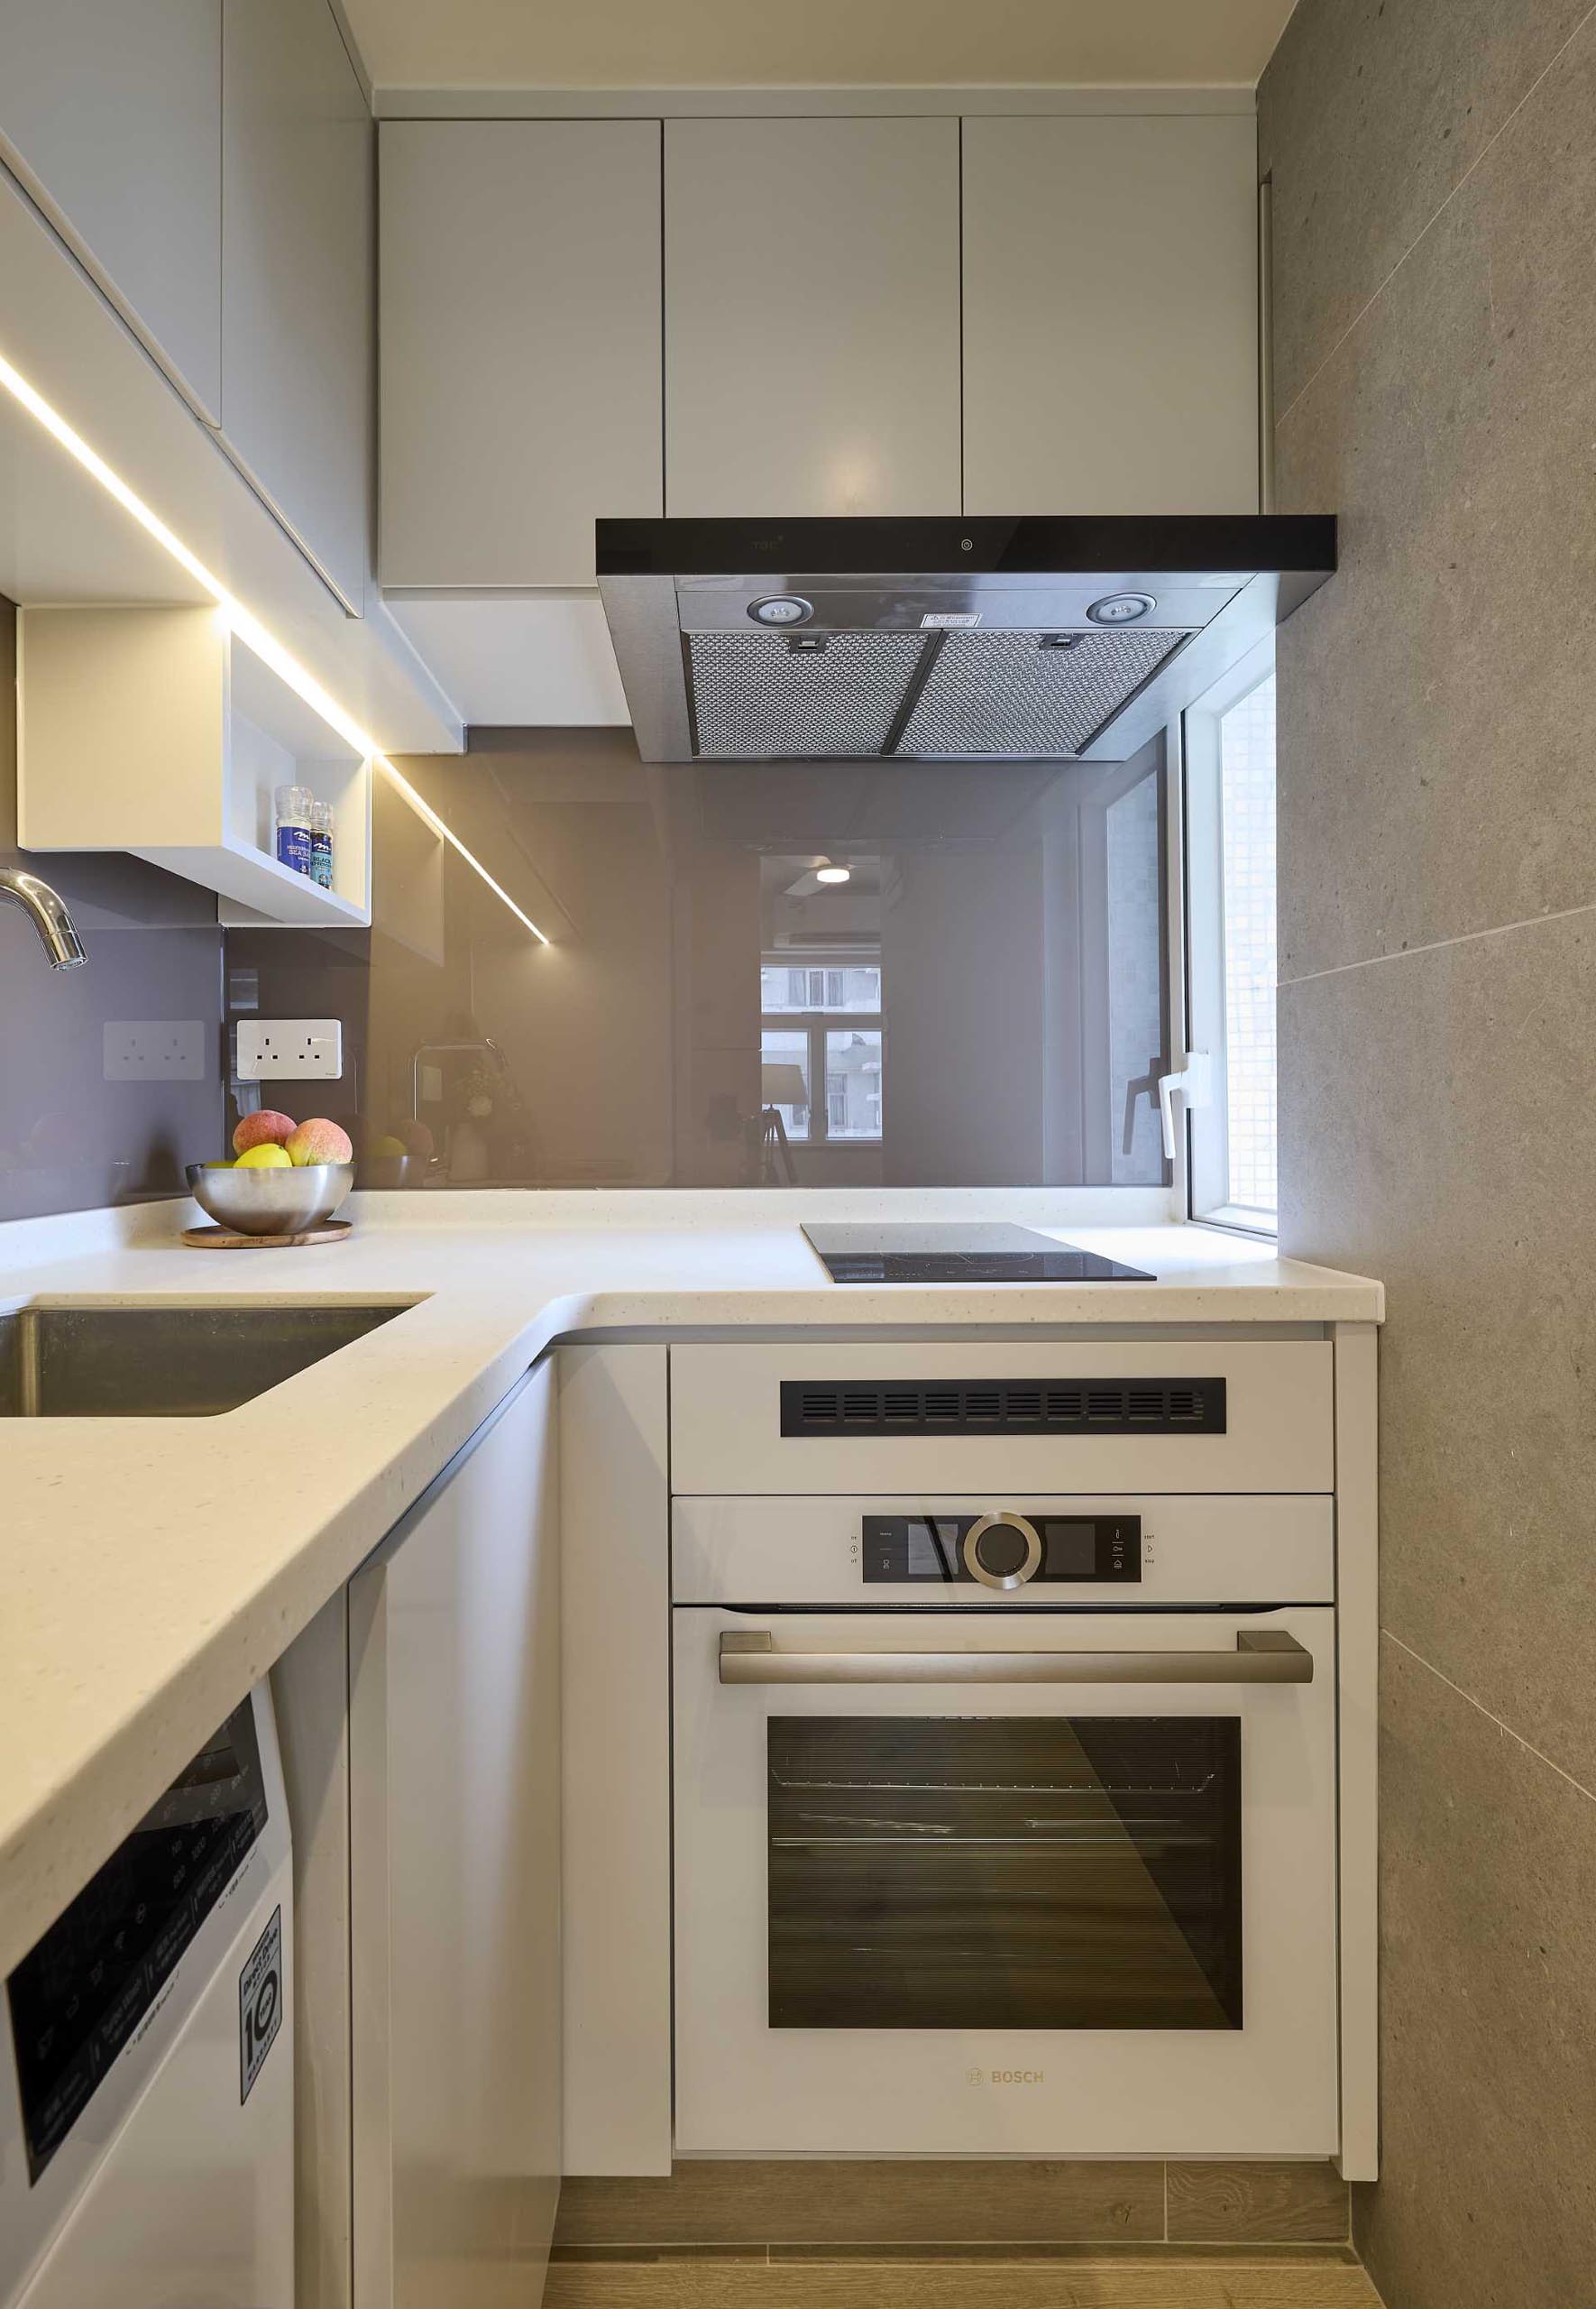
812 317
110 112
158 731
520 346
297 270
1110 315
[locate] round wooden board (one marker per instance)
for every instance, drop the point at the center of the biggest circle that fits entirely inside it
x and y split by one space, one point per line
219 1238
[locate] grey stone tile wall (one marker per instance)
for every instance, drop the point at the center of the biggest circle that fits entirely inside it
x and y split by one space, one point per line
1434 165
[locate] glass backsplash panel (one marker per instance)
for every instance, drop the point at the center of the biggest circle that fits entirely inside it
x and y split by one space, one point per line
981 1001
111 1076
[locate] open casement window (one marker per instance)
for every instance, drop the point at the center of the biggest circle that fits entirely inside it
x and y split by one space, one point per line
1230 937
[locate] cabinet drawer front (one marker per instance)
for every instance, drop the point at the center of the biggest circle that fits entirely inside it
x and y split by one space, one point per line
1096 1415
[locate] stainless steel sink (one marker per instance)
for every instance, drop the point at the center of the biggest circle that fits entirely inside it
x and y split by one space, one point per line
163 1362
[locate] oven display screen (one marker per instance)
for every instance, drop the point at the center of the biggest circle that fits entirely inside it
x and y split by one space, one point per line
899 1548
933 1547
1069 1548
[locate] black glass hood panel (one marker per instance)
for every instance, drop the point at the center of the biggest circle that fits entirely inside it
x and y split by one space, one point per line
1039 638
998 1253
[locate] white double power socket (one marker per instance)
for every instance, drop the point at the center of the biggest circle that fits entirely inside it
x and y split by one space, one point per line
305 1050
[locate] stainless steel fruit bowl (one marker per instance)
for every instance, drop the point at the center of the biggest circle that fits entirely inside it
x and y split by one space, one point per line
271 1201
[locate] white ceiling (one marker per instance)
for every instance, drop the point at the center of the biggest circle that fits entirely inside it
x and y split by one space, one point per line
811 43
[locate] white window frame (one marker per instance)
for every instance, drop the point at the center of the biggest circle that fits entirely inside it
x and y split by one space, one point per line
1202 1082
815 1025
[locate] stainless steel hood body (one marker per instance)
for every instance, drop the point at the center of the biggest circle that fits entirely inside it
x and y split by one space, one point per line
931 639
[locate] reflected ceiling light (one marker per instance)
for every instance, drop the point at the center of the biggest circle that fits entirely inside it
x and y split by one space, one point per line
833 873
423 810
244 623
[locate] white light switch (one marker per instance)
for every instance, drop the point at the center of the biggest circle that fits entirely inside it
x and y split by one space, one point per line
304 1049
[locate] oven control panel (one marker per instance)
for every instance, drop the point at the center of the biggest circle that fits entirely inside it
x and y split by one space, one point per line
1006 1548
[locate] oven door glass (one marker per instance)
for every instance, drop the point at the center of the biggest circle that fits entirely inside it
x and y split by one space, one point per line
1002 1873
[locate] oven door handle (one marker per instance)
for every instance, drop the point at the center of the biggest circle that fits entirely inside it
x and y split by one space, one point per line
1260 1656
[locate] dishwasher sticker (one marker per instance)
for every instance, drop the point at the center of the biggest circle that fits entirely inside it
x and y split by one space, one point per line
260 2004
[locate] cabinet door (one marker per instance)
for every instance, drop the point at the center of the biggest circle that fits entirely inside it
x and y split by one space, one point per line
110 112
297 272
520 354
1110 315
454 1877
812 317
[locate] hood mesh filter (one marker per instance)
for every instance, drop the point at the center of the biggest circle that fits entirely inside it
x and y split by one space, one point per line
753 699
1005 694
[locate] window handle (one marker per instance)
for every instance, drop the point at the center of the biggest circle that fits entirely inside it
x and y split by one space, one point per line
1195 1082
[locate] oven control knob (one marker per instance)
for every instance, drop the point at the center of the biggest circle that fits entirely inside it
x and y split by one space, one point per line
1002 1550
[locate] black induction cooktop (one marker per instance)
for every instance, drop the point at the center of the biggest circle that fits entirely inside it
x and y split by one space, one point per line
990 1253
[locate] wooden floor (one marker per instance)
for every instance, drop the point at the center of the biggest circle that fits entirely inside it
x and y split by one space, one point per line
1292 2277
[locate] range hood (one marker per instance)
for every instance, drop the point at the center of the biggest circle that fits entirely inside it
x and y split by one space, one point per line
1043 638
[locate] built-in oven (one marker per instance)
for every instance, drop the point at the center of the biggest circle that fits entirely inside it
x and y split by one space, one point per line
1004 1826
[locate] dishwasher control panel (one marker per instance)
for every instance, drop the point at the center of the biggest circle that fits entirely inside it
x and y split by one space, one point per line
1006 1548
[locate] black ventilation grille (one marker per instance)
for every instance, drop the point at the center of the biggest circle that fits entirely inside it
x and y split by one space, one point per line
1003 1407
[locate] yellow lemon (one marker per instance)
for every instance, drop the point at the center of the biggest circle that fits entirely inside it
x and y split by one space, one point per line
266 1156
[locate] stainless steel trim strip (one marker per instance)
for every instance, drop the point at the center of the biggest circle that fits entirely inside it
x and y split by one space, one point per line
1262 1656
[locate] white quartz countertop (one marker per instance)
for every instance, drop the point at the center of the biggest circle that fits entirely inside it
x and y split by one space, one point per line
152 1570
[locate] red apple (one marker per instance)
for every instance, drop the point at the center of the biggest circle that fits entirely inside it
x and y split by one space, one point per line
263 1129
417 1138
319 1141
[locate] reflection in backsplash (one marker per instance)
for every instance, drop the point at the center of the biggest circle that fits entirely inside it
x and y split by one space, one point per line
110 1075
980 1001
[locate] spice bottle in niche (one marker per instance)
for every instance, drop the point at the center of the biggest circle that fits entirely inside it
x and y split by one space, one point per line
321 844
294 805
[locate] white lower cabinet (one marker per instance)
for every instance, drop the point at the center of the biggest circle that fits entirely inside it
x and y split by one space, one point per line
615 1607
454 1879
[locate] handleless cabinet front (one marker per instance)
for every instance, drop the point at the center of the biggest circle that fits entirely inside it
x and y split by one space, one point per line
111 114
1111 315
812 317
520 345
298 268
454 1877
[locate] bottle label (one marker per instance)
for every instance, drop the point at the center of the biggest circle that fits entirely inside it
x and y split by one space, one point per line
293 848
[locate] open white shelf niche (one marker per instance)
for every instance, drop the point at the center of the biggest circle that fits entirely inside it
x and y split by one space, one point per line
159 732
